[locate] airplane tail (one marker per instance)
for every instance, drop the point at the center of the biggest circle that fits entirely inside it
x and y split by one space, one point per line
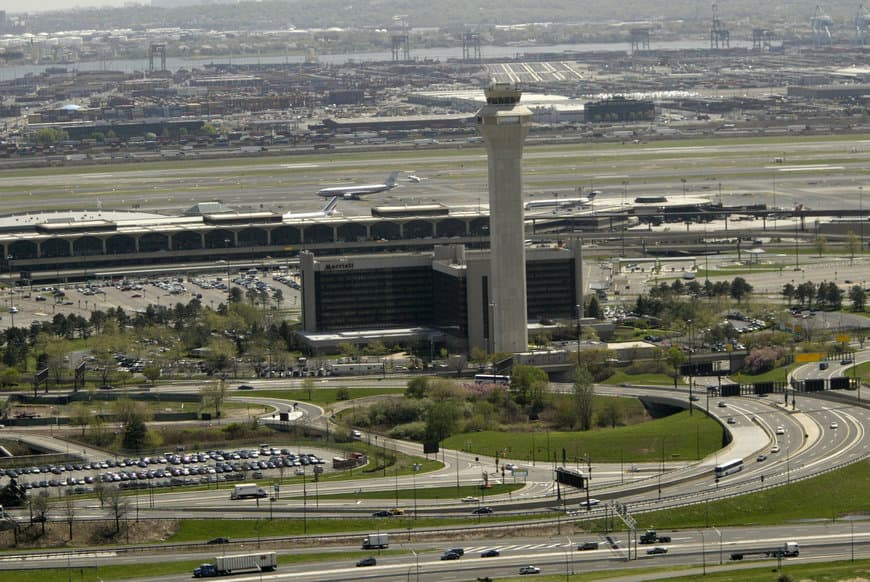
329 209
391 180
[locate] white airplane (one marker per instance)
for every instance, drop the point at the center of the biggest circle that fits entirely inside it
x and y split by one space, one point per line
562 203
327 210
355 192
414 178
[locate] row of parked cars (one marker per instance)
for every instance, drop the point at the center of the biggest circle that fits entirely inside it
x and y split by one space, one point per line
174 468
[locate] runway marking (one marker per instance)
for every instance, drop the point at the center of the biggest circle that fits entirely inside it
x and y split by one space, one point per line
805 168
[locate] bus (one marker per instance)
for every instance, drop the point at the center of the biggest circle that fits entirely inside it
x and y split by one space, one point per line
491 379
729 467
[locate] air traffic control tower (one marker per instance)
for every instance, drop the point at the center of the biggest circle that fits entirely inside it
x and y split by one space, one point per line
504 124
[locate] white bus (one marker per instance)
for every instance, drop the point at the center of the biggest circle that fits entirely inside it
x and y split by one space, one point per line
491 379
729 467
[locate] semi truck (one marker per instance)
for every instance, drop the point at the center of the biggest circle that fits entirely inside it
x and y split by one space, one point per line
376 541
247 491
650 536
223 565
786 550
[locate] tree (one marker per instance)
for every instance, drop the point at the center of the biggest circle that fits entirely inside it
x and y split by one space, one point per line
853 244
821 244
478 355
858 297
118 505
584 393
49 136
213 395
740 288
593 308
610 414
417 387
80 415
151 373
39 507
69 513
789 291
440 420
675 358
132 415
528 384
221 355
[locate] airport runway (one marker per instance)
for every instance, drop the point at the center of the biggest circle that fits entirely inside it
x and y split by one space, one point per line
816 173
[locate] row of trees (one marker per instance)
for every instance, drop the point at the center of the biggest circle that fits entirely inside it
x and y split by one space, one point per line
436 408
825 295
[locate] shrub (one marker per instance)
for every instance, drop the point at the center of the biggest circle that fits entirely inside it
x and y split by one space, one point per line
414 431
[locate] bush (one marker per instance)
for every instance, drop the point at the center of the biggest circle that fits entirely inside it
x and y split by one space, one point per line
414 431
342 394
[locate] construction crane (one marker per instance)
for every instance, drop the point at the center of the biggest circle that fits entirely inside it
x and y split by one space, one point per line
821 24
720 37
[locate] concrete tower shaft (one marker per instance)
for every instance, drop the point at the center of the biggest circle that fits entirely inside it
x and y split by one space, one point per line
504 124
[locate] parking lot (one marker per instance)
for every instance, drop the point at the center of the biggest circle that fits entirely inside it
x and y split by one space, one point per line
172 469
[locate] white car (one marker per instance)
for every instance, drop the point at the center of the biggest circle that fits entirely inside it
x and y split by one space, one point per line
590 502
470 499
835 425
780 430
774 449
530 570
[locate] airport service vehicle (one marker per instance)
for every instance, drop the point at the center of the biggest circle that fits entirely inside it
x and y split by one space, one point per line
247 491
786 550
650 536
376 541
223 565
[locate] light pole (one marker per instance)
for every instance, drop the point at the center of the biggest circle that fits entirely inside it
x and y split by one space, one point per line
416 467
861 215
691 370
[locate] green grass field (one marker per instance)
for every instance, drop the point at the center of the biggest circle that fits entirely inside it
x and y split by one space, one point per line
824 497
193 530
621 377
679 436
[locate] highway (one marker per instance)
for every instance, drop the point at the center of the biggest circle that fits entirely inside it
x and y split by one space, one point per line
808 445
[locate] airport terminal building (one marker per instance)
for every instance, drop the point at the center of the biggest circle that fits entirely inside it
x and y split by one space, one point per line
442 294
